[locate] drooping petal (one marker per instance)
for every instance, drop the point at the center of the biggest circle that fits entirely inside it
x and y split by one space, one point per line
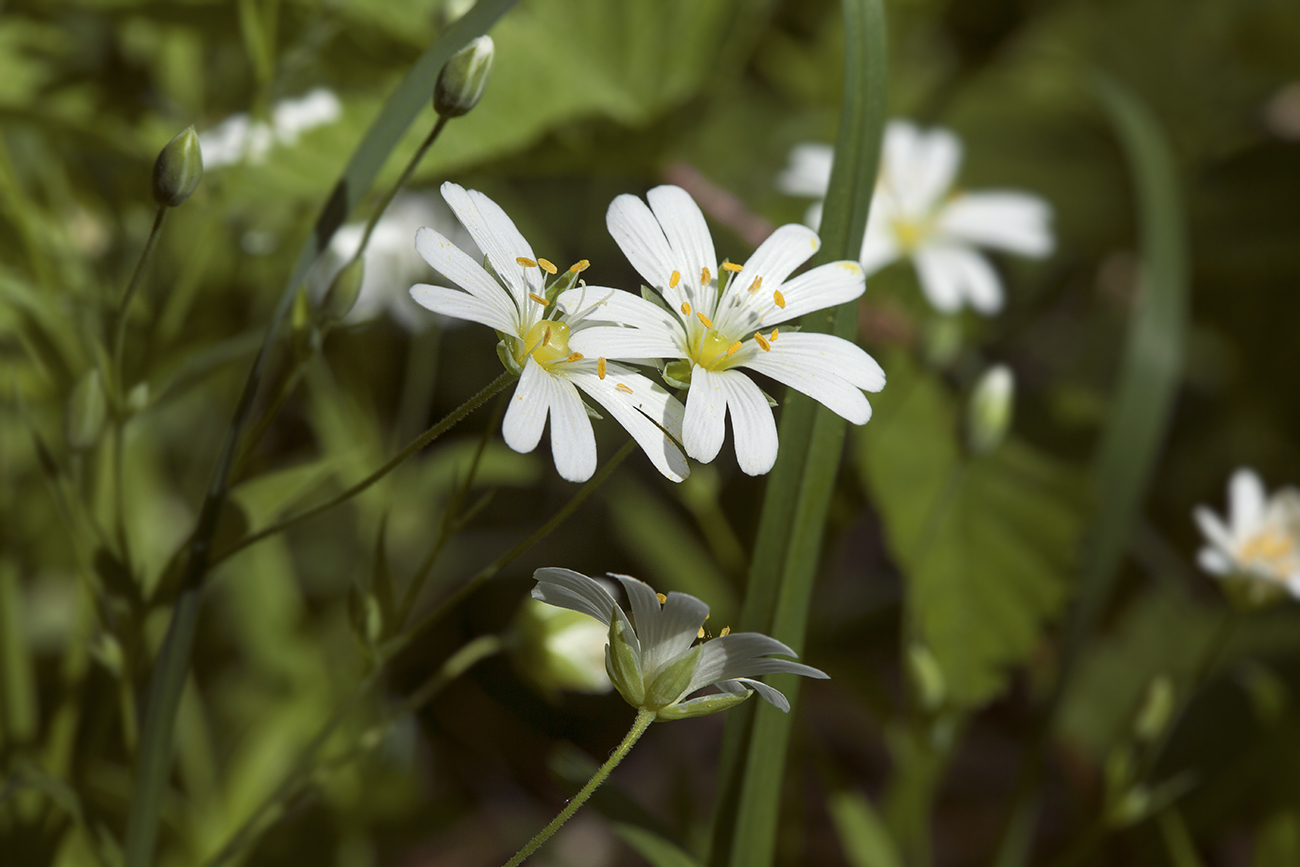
565 588
454 264
705 425
820 368
1246 503
825 286
498 238
1011 221
809 172
646 411
461 305
752 426
739 655
688 234
638 234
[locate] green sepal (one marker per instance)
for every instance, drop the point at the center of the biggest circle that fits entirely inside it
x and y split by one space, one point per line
655 298
591 411
678 373
562 282
672 682
508 358
712 704
622 665
771 401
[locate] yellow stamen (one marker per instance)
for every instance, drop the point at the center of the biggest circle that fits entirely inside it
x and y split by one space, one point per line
772 338
705 320
674 279
779 299
726 630
623 388
579 266
732 266
1270 546
762 341
731 350
600 367
705 276
547 266
662 598
700 634
686 308
577 356
539 299
758 283
526 262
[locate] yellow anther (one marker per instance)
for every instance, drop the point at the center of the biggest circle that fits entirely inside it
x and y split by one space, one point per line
579 266
577 356
547 266
731 350
686 308
705 276
539 299
758 283
700 634
726 630
526 262
732 266
772 337
762 341
705 320
624 388
779 299
662 598
674 279
600 367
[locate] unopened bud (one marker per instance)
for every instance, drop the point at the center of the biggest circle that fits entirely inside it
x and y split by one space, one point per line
989 413
1157 706
462 81
342 295
178 169
86 412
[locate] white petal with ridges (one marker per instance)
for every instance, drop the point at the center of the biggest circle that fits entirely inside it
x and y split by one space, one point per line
574 591
825 286
688 234
705 425
752 426
461 305
818 368
613 342
498 238
458 267
526 416
573 443
645 413
638 234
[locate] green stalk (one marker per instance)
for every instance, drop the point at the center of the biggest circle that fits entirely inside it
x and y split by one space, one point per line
642 722
798 491
124 306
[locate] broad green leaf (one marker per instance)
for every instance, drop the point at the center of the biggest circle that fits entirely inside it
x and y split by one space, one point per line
986 543
863 835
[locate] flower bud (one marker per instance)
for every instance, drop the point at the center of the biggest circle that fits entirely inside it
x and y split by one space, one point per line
560 649
342 295
86 412
989 413
178 169
462 81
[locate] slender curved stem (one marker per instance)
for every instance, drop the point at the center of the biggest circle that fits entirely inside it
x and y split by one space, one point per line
119 333
643 720
401 182
414 446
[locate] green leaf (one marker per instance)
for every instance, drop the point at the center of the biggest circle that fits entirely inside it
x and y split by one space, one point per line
655 849
986 543
863 835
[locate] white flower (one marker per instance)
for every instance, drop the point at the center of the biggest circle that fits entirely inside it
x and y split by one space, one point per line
536 340
391 264
1260 543
718 321
653 658
916 214
562 650
239 138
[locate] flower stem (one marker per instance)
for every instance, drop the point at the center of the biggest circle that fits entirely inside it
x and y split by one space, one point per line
119 334
401 182
643 720
414 446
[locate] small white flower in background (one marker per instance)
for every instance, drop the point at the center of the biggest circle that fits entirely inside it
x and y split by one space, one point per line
392 265
536 337
719 319
916 213
1260 542
239 138
653 658
562 650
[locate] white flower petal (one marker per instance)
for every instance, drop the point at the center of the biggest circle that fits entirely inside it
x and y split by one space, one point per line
919 167
645 614
950 274
565 588
752 427
773 696
613 342
461 305
602 304
454 264
809 172
573 443
638 234
1215 562
704 427
645 413
879 244
1246 503
1011 221
1214 530
813 216
498 238
688 234
828 369
777 257
825 286
742 654
526 416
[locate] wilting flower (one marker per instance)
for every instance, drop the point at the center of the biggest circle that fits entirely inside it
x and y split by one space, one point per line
653 658
239 138
1259 546
516 300
917 214
718 319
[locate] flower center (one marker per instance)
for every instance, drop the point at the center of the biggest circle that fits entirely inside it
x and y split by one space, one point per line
909 234
548 342
1271 551
712 351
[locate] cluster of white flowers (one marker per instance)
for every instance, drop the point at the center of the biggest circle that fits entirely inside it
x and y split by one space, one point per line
708 321
1258 547
916 214
239 138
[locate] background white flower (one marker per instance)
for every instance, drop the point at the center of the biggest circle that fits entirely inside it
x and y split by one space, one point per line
917 214
665 666
1260 541
538 343
239 138
723 318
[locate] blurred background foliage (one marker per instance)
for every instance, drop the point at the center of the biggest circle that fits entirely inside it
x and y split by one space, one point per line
947 575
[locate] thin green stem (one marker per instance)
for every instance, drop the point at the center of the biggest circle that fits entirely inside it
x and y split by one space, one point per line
490 570
414 446
401 182
263 425
643 720
119 333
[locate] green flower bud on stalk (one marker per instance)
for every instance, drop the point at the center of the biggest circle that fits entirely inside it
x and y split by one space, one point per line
87 410
342 295
989 413
178 169
462 81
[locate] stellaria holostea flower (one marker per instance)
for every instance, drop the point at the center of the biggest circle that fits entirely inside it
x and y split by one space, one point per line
654 659
917 214
1260 543
239 138
536 336
720 318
